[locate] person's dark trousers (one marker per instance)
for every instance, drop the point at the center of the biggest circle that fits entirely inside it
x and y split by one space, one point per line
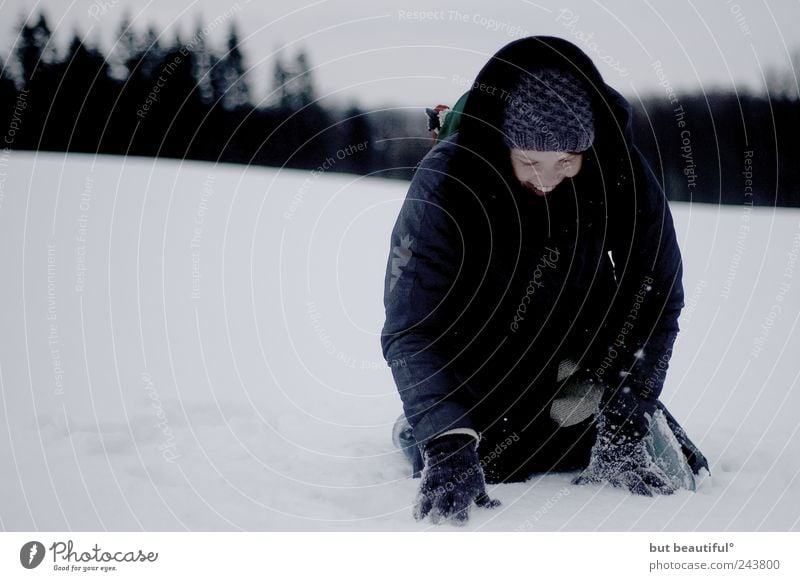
403 438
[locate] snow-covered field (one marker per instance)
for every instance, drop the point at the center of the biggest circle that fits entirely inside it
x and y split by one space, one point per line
184 346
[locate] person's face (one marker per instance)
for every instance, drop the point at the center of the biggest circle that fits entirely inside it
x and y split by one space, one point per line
541 171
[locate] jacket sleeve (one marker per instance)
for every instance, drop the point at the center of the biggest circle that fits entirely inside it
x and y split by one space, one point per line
643 322
422 301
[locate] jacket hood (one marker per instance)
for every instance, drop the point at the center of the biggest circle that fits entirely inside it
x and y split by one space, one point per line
483 111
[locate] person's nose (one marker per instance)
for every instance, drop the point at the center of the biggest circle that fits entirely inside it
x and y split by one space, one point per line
551 176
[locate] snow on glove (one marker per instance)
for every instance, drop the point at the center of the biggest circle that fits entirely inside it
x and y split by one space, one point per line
451 480
620 457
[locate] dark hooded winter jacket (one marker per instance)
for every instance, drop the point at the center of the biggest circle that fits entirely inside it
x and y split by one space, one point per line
488 287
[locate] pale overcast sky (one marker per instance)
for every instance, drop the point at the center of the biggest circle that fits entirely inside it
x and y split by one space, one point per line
416 53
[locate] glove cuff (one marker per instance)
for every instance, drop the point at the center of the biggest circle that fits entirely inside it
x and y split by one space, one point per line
455 450
625 417
450 443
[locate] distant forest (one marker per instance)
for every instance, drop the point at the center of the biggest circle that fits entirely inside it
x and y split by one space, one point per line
181 98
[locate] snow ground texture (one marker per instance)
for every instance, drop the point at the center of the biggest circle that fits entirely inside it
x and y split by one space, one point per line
186 346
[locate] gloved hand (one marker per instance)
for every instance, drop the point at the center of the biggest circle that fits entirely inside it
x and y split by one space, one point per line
451 480
620 457
628 466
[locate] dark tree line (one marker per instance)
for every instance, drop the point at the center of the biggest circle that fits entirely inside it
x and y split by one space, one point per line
731 149
180 98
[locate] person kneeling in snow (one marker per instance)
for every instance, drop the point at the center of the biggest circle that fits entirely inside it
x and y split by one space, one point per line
532 293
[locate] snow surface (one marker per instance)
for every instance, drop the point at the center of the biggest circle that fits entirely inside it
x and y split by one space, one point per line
191 346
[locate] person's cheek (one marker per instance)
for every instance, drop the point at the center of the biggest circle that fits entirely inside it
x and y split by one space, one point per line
573 169
520 172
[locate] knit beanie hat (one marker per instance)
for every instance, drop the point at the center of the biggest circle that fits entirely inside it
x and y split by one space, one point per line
548 110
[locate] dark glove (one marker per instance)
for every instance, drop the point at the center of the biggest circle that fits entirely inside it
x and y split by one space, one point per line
451 480
619 455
